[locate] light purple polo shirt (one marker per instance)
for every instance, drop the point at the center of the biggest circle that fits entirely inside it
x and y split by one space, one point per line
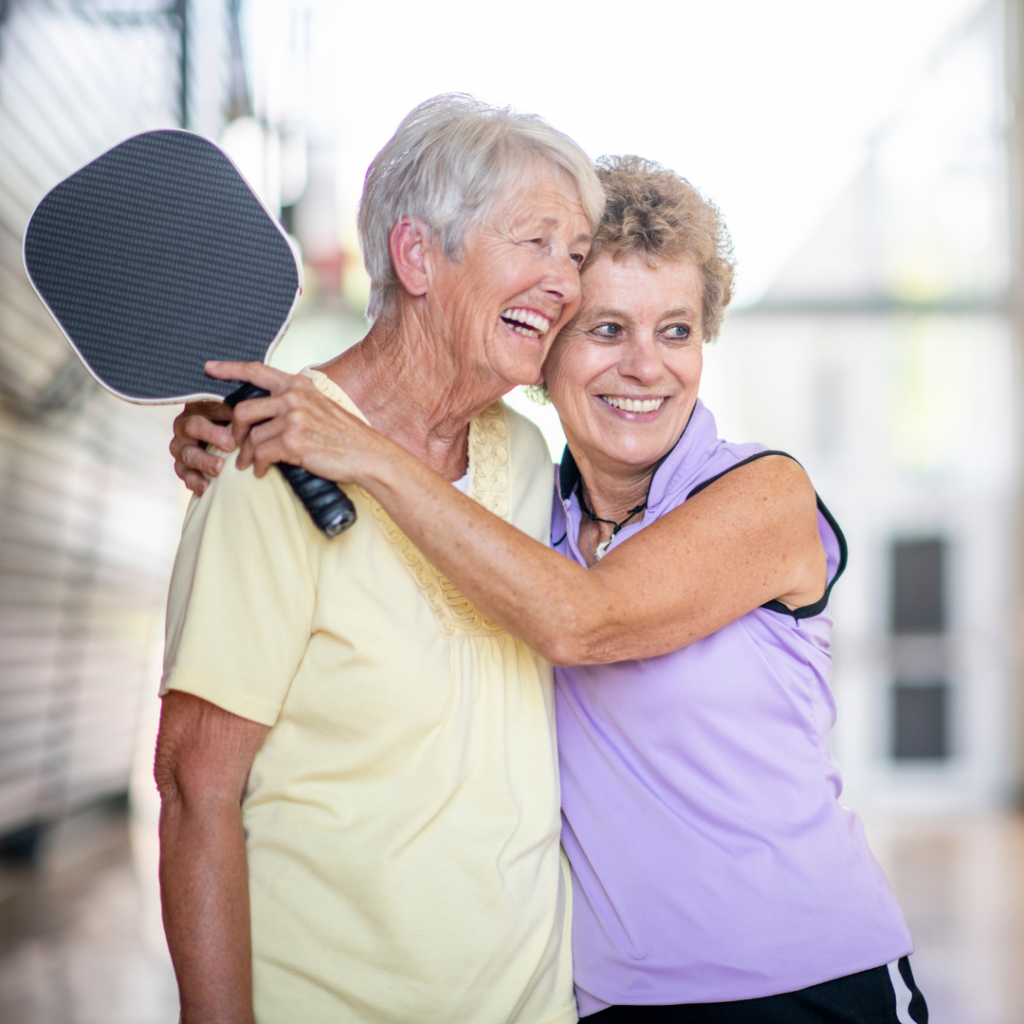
711 860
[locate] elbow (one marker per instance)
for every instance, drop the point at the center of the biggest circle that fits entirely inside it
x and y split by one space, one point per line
570 645
182 778
168 780
555 654
576 636
561 652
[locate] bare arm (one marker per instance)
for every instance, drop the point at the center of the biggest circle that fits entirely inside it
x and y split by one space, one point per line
202 766
750 537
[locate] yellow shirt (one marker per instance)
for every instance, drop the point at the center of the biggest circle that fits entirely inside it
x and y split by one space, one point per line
402 815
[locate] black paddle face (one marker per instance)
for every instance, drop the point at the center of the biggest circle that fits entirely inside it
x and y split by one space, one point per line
156 257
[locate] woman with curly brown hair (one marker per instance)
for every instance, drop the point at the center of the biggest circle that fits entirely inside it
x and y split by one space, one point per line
684 598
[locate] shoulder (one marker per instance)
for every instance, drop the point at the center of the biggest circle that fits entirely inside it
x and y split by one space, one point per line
766 476
241 487
240 512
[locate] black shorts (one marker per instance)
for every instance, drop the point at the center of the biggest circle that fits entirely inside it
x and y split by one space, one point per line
864 998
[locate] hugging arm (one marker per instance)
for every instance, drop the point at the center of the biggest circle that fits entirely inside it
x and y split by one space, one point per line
203 759
750 537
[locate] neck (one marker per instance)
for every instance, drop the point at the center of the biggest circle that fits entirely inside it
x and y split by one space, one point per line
610 490
607 501
411 388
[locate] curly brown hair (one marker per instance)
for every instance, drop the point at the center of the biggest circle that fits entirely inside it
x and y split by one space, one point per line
653 213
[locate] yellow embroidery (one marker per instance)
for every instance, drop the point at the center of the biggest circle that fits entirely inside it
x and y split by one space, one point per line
488 469
488 446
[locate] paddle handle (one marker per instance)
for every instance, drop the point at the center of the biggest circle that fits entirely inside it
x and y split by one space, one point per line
325 501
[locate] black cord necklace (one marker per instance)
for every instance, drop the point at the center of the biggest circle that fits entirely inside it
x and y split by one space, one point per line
611 522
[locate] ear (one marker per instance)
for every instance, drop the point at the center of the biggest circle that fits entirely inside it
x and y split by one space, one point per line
409 244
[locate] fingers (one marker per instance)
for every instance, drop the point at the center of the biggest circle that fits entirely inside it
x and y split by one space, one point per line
193 430
193 464
250 414
193 479
195 482
255 451
260 374
298 393
194 457
257 410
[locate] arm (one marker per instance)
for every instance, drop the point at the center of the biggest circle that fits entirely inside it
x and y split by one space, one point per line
203 759
748 538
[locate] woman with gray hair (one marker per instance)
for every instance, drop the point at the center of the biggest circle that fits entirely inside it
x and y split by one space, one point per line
360 810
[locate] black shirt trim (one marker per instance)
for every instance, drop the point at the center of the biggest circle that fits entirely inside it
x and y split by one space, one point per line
808 610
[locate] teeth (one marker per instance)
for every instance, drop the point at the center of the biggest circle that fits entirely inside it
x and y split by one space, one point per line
633 404
527 323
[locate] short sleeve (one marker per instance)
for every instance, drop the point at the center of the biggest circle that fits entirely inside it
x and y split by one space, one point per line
242 595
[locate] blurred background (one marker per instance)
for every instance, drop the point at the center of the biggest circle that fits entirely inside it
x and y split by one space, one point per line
868 159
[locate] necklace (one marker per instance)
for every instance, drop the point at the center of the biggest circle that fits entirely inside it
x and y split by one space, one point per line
602 548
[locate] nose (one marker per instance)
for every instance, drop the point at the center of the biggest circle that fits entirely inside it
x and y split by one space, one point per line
641 360
563 280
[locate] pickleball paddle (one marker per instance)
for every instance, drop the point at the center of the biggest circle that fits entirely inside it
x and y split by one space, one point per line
158 256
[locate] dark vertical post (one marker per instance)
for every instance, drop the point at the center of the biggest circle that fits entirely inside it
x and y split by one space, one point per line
921 694
239 103
1013 30
180 14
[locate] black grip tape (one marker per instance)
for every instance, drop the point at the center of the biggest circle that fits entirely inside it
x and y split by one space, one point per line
325 501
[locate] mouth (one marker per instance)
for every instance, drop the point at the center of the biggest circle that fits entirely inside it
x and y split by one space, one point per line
527 322
633 405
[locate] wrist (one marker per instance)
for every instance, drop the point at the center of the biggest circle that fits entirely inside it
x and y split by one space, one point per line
379 470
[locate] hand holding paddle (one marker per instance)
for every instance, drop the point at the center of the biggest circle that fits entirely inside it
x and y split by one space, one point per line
289 423
156 257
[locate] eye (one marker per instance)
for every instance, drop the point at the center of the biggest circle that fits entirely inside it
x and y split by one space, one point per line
577 258
677 332
609 331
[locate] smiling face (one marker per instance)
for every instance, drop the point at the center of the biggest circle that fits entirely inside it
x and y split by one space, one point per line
517 282
624 374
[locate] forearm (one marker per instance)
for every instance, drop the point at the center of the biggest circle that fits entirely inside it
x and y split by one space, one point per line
204 883
745 540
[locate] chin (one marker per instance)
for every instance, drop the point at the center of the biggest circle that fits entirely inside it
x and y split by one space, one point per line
626 450
522 373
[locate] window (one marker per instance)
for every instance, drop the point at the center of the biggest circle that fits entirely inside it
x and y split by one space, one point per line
918 624
918 604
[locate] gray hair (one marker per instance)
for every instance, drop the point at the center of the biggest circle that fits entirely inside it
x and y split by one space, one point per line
449 161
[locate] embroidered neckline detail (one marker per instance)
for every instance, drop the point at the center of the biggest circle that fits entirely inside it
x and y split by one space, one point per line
488 474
